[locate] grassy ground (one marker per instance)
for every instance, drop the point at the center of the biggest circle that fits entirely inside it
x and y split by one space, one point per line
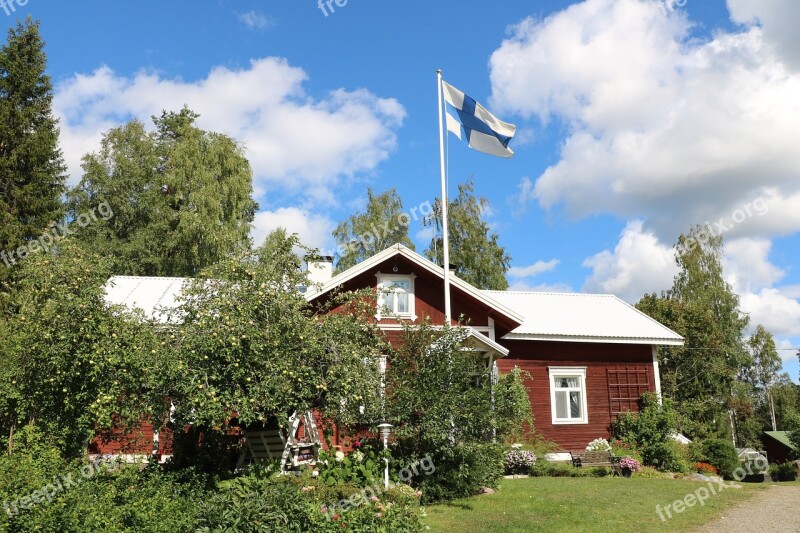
582 504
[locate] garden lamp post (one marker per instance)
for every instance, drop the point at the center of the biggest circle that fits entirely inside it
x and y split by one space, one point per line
385 428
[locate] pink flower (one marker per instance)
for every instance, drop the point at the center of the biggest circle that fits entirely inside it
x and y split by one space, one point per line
374 498
357 444
324 509
379 515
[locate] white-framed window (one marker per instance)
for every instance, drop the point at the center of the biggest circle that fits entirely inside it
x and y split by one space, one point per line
568 395
396 296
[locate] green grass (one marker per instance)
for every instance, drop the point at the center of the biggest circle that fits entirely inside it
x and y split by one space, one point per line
582 504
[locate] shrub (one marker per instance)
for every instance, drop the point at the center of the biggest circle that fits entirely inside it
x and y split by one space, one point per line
784 472
722 455
549 469
512 405
361 467
667 456
705 468
598 445
461 471
257 504
519 462
402 494
650 431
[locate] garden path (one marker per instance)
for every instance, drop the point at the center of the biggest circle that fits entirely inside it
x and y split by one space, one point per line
773 509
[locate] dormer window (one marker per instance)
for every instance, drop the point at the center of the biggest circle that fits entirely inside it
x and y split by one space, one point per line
396 296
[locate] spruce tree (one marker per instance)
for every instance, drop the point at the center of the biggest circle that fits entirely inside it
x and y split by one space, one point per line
32 170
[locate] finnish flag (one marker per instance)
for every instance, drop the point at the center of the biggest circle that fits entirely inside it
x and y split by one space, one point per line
470 121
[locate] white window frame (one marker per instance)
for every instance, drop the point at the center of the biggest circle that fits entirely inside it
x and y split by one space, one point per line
568 371
384 279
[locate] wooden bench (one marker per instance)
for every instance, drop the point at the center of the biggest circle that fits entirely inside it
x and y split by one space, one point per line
592 459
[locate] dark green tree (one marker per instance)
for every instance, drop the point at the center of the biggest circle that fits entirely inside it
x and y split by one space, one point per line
475 250
32 171
381 225
181 197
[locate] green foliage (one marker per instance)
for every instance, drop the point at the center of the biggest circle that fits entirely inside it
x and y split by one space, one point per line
75 366
794 437
474 248
544 468
650 431
784 472
259 504
703 308
721 454
362 467
248 344
99 498
363 235
461 471
32 170
180 197
512 406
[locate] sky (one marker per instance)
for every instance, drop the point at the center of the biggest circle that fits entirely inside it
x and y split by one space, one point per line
636 120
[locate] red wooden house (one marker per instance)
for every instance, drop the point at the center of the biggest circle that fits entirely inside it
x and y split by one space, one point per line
590 357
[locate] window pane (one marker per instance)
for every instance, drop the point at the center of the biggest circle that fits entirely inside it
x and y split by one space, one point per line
561 404
402 302
400 285
388 301
568 382
575 404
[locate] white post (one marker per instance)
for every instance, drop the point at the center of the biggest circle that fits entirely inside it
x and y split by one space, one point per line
445 238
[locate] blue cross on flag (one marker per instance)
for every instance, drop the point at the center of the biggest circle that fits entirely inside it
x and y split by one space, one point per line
468 120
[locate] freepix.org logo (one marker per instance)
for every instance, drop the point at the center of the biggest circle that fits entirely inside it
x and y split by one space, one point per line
10 6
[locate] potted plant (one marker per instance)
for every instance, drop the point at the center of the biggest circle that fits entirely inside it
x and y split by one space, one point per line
628 466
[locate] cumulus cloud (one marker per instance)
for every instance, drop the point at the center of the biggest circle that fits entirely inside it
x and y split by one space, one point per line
639 264
539 267
254 20
660 125
313 230
295 143
747 267
778 18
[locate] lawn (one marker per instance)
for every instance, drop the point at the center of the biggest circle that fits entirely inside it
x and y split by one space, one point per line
582 504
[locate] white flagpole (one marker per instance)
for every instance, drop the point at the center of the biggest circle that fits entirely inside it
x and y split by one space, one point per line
445 238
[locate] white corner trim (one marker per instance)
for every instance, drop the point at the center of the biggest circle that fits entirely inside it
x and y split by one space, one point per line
490 322
656 373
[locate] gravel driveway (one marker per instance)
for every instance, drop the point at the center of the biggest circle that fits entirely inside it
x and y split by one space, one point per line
776 508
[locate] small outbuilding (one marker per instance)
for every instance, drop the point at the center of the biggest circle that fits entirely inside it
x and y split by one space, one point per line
778 446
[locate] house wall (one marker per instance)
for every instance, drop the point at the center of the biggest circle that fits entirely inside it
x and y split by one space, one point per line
616 375
777 453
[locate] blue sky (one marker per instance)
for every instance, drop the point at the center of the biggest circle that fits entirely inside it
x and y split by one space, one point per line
637 118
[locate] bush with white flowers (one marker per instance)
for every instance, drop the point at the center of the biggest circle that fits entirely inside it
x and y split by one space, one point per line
598 445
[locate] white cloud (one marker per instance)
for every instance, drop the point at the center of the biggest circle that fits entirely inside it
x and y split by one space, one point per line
776 311
747 267
539 267
313 230
638 265
254 20
658 123
520 285
778 18
294 142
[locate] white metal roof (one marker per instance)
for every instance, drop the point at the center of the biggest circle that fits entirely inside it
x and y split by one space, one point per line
151 295
582 318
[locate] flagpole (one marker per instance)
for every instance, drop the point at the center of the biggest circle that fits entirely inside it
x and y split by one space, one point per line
445 237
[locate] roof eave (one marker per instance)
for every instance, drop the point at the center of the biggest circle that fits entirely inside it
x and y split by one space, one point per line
591 339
